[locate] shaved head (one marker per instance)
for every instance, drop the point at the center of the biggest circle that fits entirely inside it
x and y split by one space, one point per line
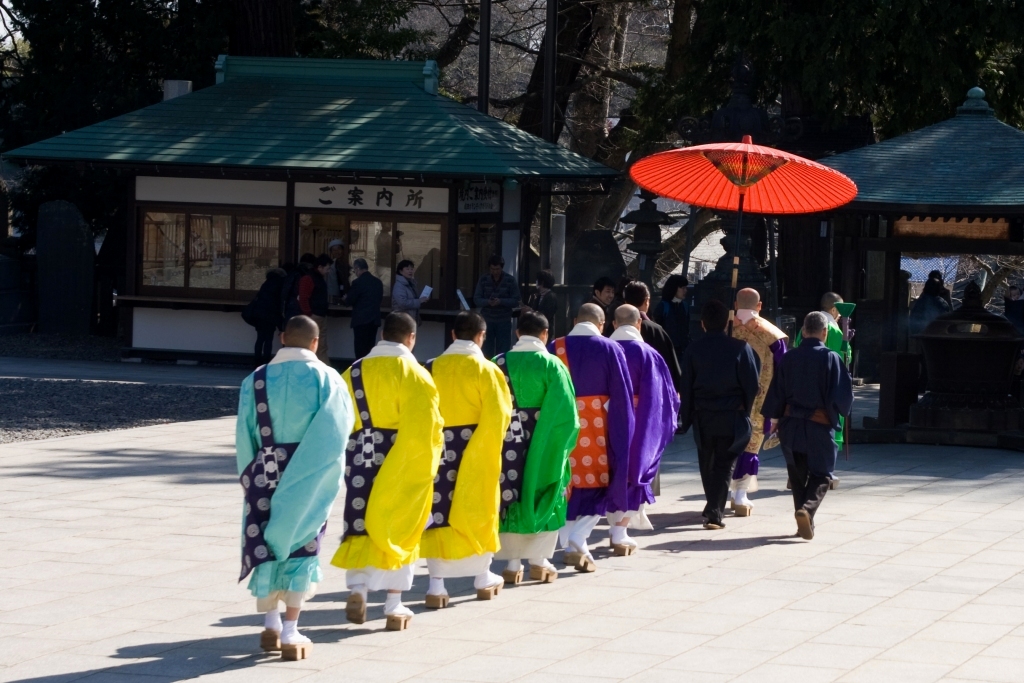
627 315
748 298
300 332
591 313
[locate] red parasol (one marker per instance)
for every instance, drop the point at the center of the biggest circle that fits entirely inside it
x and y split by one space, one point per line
737 176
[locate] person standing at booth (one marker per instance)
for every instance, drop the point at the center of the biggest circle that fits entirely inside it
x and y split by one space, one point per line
364 296
496 295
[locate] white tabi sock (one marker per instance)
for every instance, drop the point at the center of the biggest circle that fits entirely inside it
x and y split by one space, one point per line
272 620
436 587
741 497
486 580
542 562
620 537
393 603
290 634
514 565
581 532
361 589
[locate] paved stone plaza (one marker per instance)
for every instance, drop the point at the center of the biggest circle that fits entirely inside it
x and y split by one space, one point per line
120 557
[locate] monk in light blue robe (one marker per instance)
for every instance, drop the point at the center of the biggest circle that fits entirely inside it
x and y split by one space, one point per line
294 418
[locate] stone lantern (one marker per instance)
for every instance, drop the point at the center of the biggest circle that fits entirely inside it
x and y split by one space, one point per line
646 243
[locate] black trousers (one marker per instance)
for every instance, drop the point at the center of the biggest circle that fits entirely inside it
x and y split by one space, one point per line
264 343
715 436
364 338
809 488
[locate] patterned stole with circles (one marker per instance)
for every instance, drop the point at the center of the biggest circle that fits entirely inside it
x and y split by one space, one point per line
260 480
367 449
456 439
517 443
589 459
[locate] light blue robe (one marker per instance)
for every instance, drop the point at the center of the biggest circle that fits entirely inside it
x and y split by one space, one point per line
309 404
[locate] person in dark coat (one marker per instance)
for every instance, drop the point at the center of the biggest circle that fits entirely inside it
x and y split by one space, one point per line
365 295
603 296
719 383
673 313
637 294
810 390
544 300
266 314
929 306
1013 307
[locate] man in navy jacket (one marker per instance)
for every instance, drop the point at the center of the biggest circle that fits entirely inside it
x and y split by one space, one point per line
811 389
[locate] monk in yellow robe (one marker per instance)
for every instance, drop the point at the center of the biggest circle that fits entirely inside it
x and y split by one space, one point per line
392 460
476 406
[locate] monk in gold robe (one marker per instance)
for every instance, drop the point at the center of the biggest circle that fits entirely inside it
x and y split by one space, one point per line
769 344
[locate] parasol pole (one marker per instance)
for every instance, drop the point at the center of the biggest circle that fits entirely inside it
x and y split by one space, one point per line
739 237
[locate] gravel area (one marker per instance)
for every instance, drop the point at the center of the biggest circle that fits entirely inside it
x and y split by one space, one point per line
43 409
60 346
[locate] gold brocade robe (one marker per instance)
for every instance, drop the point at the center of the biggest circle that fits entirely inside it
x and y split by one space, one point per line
760 334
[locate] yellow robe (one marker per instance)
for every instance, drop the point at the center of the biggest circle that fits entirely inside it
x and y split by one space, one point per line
401 395
473 390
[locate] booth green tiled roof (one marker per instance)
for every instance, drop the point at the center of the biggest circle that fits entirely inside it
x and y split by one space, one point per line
972 161
318 115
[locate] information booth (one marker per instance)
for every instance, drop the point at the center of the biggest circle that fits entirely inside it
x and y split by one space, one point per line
283 156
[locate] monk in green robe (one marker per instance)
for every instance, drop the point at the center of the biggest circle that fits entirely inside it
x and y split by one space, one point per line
535 472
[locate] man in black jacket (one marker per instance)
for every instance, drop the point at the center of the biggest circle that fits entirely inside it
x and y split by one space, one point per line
364 296
719 383
637 294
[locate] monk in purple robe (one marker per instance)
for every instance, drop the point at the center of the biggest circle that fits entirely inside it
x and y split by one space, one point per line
656 406
600 460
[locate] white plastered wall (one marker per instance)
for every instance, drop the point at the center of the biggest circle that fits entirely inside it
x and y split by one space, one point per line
219 332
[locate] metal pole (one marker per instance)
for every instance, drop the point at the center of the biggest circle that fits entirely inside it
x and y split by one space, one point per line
831 251
484 70
550 62
689 240
545 225
736 260
772 246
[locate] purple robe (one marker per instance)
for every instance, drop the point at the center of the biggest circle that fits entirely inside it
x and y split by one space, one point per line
657 412
598 368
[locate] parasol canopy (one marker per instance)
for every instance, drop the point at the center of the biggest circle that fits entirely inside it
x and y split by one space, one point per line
716 176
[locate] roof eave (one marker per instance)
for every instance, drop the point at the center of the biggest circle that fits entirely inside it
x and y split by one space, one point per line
298 171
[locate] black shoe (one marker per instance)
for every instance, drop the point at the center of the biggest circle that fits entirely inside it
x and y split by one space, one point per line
714 526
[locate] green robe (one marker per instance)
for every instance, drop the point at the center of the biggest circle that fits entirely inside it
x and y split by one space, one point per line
835 342
540 380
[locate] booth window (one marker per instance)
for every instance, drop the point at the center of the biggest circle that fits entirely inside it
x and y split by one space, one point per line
421 244
476 245
209 258
225 251
163 249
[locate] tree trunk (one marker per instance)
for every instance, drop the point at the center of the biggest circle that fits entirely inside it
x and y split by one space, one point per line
458 39
263 28
575 34
590 108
